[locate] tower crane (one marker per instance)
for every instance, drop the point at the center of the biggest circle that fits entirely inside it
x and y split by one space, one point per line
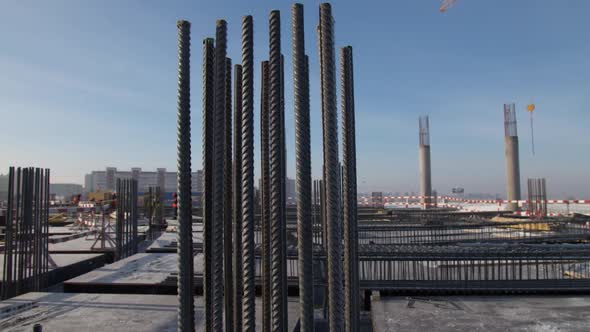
446 5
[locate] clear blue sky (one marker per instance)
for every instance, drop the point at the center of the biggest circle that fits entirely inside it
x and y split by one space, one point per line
90 84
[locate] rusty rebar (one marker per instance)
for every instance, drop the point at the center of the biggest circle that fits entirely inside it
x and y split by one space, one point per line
208 117
331 169
219 174
237 203
303 171
265 195
227 215
351 280
277 203
249 317
186 318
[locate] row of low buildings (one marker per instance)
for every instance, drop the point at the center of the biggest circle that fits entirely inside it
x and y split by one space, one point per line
107 180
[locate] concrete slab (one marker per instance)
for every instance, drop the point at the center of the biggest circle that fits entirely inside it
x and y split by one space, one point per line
167 241
106 312
85 244
79 245
146 273
68 265
481 313
61 260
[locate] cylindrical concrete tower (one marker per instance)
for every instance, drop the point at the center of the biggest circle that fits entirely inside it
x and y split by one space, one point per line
425 180
512 159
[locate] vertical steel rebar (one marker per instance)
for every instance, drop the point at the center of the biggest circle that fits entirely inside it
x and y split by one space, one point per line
237 202
303 171
277 203
283 191
19 229
134 216
36 228
249 318
227 215
351 280
219 176
127 218
208 123
46 255
26 232
265 196
186 318
119 230
8 249
330 125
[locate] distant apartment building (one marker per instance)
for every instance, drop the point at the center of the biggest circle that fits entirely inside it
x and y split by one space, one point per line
3 187
377 199
107 180
290 190
65 190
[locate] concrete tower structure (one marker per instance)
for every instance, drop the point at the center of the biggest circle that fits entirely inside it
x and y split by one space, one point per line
512 158
425 174
110 178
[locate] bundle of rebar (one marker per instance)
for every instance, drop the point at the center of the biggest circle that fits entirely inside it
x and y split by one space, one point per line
186 319
26 253
537 191
229 199
126 229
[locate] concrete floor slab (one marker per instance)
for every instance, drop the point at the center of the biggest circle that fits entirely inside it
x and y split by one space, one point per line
61 260
105 312
167 241
146 273
481 313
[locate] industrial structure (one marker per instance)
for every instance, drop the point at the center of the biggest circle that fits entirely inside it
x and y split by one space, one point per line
425 172
512 158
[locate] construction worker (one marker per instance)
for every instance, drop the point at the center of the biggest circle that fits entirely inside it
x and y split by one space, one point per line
175 205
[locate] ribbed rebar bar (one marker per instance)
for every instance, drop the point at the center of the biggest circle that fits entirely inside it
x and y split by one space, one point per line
331 169
265 196
186 319
276 175
249 318
283 192
351 280
237 203
227 215
208 123
219 174
303 171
